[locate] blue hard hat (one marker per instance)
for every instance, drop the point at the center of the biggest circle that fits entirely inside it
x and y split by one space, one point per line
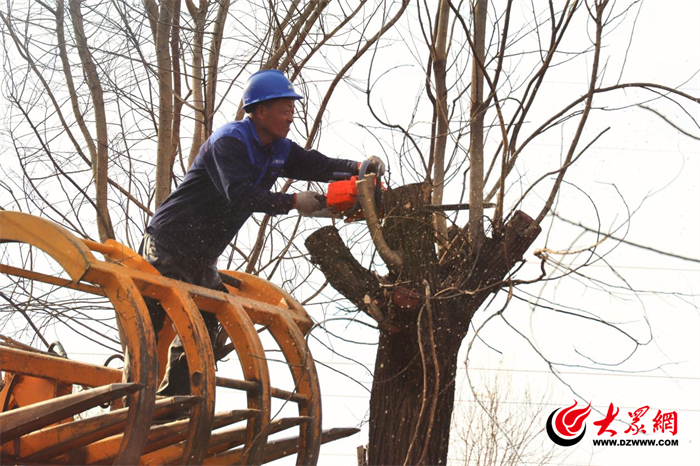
267 85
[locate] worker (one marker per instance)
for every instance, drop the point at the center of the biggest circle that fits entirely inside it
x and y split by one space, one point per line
229 180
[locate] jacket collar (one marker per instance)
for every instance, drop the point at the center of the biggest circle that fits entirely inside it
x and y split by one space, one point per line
251 127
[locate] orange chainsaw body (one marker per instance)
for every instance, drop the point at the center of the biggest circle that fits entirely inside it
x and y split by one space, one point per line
342 195
341 198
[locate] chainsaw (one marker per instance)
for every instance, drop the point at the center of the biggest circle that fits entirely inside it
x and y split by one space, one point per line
341 199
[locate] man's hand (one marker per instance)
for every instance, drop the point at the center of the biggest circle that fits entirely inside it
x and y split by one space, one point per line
376 165
307 202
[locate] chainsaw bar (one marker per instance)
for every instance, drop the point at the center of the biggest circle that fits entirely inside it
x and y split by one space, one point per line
446 207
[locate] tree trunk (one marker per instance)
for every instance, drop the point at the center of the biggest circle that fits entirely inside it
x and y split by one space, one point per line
413 392
164 165
100 161
420 336
213 68
443 119
476 129
199 16
177 85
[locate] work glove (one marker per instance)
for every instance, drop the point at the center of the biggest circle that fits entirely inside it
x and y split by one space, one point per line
307 202
376 165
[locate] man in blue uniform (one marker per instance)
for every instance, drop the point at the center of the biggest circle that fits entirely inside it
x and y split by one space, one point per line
228 181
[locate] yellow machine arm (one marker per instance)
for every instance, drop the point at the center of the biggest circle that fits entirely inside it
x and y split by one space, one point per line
40 407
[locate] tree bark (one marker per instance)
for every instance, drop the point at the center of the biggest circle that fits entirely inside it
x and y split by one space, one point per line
198 15
415 369
100 161
177 85
330 254
412 397
443 120
413 390
213 67
476 128
165 101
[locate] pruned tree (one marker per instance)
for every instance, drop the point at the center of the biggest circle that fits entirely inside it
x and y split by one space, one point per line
110 102
436 277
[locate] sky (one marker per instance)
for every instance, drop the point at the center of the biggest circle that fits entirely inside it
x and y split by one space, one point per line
654 171
642 165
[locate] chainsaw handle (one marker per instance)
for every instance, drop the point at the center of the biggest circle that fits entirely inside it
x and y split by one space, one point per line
378 180
378 187
363 170
341 176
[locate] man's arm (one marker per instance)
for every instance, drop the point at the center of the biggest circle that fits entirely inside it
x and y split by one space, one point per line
311 165
231 173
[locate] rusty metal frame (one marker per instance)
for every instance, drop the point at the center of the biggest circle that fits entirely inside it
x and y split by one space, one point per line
77 260
125 278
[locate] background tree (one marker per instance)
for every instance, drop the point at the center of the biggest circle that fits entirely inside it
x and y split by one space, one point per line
503 426
110 101
438 278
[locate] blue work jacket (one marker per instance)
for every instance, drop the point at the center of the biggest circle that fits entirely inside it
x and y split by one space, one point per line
231 178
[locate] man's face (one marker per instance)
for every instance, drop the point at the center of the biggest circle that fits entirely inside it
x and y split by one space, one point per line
274 120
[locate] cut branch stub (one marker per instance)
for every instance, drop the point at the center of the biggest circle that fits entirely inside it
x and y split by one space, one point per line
408 229
347 276
490 265
330 254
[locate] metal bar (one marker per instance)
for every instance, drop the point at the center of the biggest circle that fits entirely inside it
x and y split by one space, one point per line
285 447
251 353
253 387
21 421
56 241
53 441
245 385
55 368
277 449
288 396
99 247
223 441
51 280
444 207
291 341
161 440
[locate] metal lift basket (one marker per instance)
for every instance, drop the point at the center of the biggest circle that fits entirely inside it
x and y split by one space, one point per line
40 407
